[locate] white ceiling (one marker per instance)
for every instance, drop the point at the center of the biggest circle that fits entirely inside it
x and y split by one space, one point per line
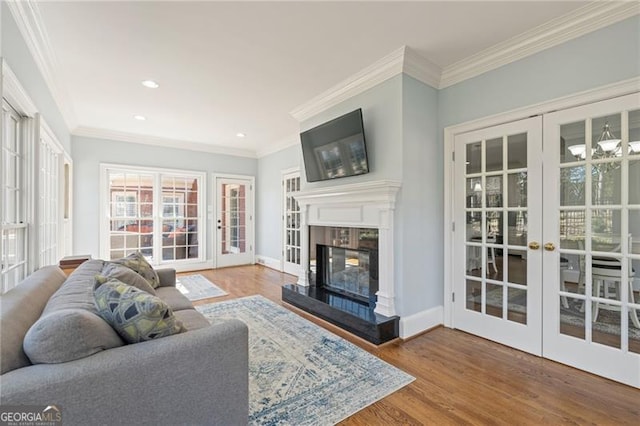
229 67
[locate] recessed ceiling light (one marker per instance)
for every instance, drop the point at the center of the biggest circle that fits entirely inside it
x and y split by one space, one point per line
140 117
150 84
240 135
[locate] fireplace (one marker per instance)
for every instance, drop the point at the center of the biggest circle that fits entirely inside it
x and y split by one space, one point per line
347 275
345 261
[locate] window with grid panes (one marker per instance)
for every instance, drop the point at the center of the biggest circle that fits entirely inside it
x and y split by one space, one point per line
292 249
155 212
13 223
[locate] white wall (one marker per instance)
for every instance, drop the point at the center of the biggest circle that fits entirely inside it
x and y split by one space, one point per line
88 153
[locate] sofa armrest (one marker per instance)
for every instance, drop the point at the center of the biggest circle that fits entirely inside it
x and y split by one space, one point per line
167 277
197 377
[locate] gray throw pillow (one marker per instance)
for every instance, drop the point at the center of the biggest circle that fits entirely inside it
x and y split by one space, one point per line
137 316
68 334
125 275
136 262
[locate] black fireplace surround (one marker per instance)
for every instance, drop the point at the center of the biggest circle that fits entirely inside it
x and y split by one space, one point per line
343 281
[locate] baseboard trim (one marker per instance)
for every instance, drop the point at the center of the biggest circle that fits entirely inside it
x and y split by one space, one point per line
269 262
421 322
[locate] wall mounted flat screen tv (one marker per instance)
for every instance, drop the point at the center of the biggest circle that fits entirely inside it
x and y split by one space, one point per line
335 149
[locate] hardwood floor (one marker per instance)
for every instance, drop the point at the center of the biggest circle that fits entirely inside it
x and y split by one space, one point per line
463 379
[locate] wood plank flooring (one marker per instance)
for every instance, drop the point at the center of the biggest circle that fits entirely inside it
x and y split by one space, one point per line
463 379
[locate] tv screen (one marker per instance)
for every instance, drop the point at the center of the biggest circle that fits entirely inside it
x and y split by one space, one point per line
335 149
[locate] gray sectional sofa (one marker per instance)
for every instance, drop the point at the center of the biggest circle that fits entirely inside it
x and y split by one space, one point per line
199 376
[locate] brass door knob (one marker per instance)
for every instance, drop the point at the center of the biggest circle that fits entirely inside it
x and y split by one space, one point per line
534 245
549 247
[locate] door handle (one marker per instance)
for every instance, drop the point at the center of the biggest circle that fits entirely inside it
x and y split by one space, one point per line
534 245
549 247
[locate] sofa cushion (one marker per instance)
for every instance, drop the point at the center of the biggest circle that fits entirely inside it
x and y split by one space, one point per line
125 275
77 290
191 319
75 294
172 296
67 334
137 262
20 308
136 315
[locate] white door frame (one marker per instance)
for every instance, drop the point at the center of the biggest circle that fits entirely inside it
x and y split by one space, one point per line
250 228
605 92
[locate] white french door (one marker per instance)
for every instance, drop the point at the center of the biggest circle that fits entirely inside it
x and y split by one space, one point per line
498 194
291 250
592 216
234 220
548 253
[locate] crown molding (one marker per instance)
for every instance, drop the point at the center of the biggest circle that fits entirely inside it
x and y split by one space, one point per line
26 15
15 93
421 68
92 132
291 140
582 21
557 31
400 60
369 77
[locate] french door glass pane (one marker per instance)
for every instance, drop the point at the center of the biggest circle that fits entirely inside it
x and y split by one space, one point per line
474 157
517 189
573 142
572 229
233 218
634 176
572 182
517 305
517 152
606 183
494 155
572 317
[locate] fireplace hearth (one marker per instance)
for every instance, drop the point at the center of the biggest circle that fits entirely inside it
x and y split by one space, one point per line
343 282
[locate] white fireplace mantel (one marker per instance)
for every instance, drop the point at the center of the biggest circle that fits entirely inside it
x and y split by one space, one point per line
361 205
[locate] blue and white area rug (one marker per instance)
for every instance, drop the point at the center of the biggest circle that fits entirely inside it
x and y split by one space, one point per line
300 373
196 287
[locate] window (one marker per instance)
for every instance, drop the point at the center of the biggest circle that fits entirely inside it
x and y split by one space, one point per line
156 212
49 209
33 229
291 216
13 251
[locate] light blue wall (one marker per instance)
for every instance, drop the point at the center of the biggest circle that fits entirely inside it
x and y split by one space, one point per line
269 200
419 212
19 59
400 122
89 153
605 56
